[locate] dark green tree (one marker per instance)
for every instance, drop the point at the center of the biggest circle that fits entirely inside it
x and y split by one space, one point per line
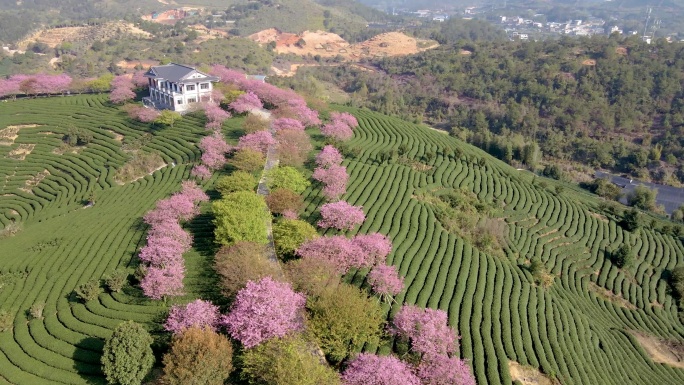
127 356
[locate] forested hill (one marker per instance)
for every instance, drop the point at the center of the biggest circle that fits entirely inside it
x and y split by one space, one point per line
606 102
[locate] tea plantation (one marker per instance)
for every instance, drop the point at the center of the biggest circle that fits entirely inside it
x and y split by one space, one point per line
571 329
566 330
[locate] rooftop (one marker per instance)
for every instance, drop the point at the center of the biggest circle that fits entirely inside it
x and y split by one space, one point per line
174 72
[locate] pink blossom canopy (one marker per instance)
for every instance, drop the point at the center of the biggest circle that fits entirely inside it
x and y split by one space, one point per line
287 124
258 141
263 310
337 130
246 102
369 369
427 329
341 215
385 280
329 156
338 250
163 282
201 172
444 370
375 245
214 148
198 314
334 179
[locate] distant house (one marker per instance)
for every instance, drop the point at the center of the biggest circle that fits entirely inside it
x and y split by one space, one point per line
176 87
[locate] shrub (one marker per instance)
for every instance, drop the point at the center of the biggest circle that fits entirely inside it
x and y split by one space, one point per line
248 160
240 216
237 181
343 319
642 197
242 262
198 357
6 321
623 257
127 356
116 280
289 178
287 361
678 281
36 310
89 290
289 234
254 123
632 220
552 171
311 276
282 200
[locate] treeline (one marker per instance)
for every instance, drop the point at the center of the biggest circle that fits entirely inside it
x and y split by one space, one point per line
610 102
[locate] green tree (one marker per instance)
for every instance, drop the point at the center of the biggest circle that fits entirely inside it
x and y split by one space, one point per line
623 256
101 84
237 181
289 178
168 118
678 281
198 357
291 360
289 234
632 220
642 197
127 356
248 160
241 216
344 318
116 280
241 262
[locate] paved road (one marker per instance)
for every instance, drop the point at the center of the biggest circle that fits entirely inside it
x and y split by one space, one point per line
670 197
262 189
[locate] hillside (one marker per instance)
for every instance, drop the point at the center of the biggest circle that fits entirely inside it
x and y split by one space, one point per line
582 324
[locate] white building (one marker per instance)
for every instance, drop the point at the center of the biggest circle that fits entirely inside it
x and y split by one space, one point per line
176 87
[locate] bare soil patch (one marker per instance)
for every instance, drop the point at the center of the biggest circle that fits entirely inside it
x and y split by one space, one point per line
21 152
10 133
130 65
621 51
528 375
610 296
34 181
598 216
667 352
327 44
589 62
118 137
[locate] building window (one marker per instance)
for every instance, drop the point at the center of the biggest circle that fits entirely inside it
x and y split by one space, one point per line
192 100
179 101
204 86
190 88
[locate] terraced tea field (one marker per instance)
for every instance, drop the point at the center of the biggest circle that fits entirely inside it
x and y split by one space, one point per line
573 330
63 244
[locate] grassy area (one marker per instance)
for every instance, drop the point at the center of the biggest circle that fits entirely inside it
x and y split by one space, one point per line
566 330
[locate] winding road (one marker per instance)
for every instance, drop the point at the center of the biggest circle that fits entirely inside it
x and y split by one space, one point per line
670 197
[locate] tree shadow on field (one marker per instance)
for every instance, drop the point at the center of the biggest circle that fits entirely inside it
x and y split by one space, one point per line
86 358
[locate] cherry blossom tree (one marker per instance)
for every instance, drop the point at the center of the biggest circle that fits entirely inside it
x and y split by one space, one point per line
427 330
258 141
341 215
334 179
293 147
287 124
9 87
193 192
385 281
444 370
215 115
142 114
329 156
369 369
201 172
122 89
227 76
214 148
345 118
337 130
375 245
199 314
162 251
246 102
337 250
139 80
162 282
263 310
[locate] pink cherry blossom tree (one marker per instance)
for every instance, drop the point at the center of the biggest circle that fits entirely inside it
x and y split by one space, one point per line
444 370
263 310
142 114
198 313
337 130
139 80
345 118
338 251
334 179
122 89
294 147
215 115
9 87
246 102
162 251
329 156
375 245
201 172
162 282
287 124
385 281
193 192
427 330
369 369
214 148
258 141
341 215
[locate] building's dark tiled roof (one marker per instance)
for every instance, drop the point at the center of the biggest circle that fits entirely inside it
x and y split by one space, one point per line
173 72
